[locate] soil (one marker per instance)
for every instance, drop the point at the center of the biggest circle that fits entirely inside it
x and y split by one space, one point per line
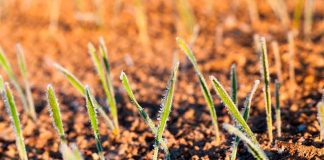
189 132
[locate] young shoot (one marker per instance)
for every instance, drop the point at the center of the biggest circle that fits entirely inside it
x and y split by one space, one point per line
208 98
186 16
103 70
165 111
291 51
320 116
233 84
266 84
278 113
91 107
141 21
254 148
79 87
235 113
297 14
14 116
29 108
70 153
245 114
55 113
275 49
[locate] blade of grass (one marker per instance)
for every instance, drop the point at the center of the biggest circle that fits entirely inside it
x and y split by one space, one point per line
6 66
79 87
308 14
54 110
24 72
14 116
93 120
297 13
275 49
107 86
291 51
186 15
141 111
236 115
254 148
245 114
266 86
70 153
141 21
278 113
233 84
203 85
165 110
320 117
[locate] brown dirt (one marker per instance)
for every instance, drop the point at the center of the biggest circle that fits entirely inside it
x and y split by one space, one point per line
190 132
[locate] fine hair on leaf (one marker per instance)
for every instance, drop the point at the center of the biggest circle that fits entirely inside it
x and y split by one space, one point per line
235 113
266 84
165 110
14 117
254 148
278 112
91 107
208 98
245 114
55 113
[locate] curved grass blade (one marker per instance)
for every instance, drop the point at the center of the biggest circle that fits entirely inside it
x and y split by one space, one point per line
246 113
236 115
24 72
14 116
107 85
208 98
266 86
79 86
278 113
254 148
233 84
93 120
165 110
55 112
141 111
6 66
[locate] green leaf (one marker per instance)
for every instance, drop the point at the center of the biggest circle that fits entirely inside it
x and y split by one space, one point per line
208 98
254 148
55 112
165 110
70 153
236 115
14 116
233 84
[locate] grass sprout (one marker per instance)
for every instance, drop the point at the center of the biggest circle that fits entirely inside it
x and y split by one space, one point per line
236 115
320 116
70 153
203 85
14 116
141 21
233 84
278 113
280 9
297 14
291 51
55 112
253 148
186 16
79 87
266 84
103 71
245 114
165 110
275 49
91 107
29 108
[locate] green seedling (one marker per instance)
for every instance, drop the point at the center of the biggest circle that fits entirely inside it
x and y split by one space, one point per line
55 112
165 111
266 86
278 113
91 107
275 49
320 116
70 153
233 84
186 16
14 116
79 87
103 71
235 113
254 148
27 104
164 114
245 114
203 85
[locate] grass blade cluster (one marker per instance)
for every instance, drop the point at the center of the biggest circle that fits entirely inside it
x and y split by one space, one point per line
245 114
103 71
165 110
91 107
79 86
266 86
29 108
14 116
236 115
278 113
55 112
208 98
254 149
